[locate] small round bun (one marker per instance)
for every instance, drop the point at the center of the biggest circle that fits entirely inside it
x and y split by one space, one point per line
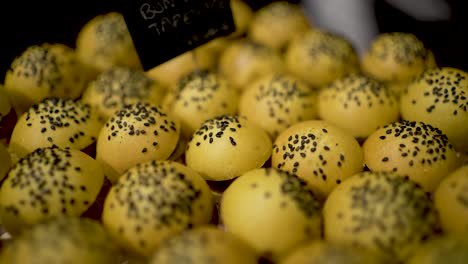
119 86
244 61
451 201
358 104
65 123
445 249
8 115
70 240
320 57
203 95
318 152
5 161
242 14
380 212
227 146
415 150
48 182
170 72
42 71
267 201
275 24
137 133
277 101
440 97
205 244
152 202
105 42
323 252
397 57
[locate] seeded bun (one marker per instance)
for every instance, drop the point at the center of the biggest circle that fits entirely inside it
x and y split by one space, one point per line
105 42
170 72
380 212
275 24
397 57
8 116
226 147
442 250
5 161
320 57
42 71
266 200
203 95
205 244
70 240
277 101
242 14
120 86
358 104
136 133
322 252
64 123
48 182
318 152
440 97
153 201
244 61
415 150
451 201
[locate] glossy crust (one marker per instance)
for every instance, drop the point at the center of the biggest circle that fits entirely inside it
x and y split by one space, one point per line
440 97
47 183
152 202
358 104
380 212
415 150
451 248
277 101
227 146
137 133
267 201
320 153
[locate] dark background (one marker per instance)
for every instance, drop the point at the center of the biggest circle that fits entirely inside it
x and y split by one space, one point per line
26 23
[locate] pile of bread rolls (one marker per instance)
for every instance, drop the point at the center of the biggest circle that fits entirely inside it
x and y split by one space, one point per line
275 144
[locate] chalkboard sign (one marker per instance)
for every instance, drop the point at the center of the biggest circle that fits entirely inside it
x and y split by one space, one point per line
163 29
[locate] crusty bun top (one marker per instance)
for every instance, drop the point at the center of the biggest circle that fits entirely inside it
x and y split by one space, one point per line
226 146
243 61
105 42
70 240
61 122
46 70
411 149
320 57
46 183
358 104
277 101
397 56
381 212
440 97
137 133
153 201
202 95
275 24
120 86
205 244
